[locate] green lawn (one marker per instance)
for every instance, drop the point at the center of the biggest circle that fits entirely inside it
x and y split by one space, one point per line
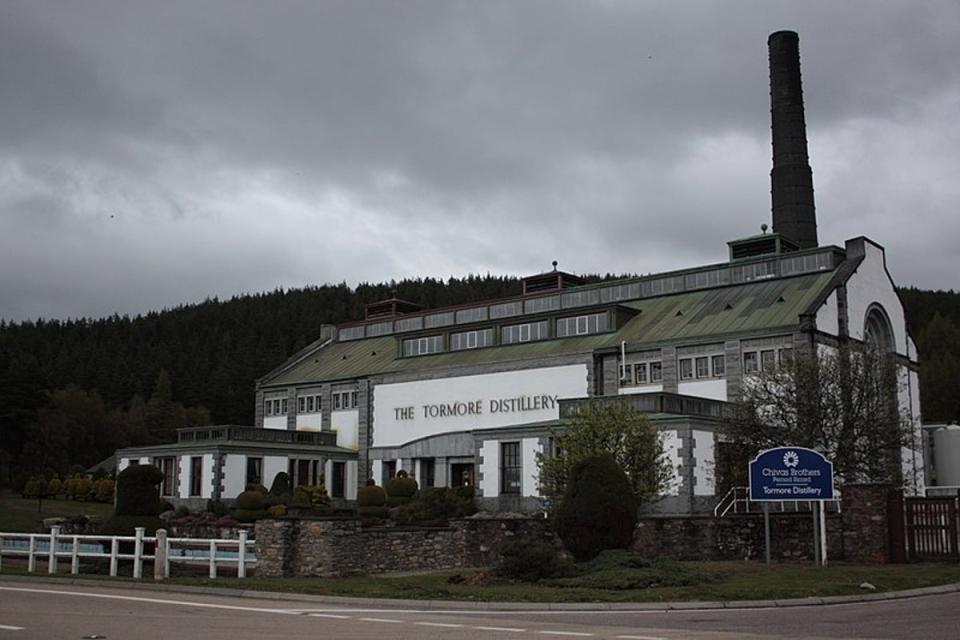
21 515
724 581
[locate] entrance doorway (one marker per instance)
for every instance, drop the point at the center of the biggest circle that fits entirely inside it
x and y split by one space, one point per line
461 475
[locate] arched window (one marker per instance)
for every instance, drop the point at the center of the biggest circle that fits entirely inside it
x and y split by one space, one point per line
877 330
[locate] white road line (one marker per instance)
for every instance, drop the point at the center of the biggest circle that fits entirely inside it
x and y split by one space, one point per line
579 634
391 620
7 627
182 603
507 629
329 615
641 638
440 624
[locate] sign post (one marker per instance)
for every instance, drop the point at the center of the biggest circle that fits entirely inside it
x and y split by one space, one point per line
793 474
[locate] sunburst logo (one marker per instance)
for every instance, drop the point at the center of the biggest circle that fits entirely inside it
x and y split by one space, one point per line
791 459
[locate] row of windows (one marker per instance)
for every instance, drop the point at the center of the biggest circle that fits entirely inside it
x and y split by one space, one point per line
310 403
460 474
766 359
510 334
643 373
702 367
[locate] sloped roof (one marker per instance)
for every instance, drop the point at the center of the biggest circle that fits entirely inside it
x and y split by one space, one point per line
756 307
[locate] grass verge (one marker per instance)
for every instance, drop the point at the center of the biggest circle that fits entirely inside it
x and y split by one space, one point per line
724 581
20 515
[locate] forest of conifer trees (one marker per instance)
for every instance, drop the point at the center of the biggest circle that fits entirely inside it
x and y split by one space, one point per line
83 388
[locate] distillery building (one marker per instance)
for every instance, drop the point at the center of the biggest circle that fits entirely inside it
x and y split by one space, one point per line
469 395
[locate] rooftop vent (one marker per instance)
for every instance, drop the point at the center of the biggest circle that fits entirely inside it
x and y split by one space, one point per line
390 308
550 281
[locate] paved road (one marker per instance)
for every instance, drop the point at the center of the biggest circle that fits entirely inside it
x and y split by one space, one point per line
50 611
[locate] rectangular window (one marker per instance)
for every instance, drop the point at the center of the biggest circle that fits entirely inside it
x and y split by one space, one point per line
510 468
196 476
656 371
301 404
268 408
719 366
344 400
168 468
751 363
471 339
626 374
283 406
254 470
640 370
428 471
276 408
768 359
310 401
339 481
703 367
528 332
686 369
422 346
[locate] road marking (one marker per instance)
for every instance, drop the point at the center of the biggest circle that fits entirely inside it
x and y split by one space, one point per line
329 615
579 634
508 629
641 638
440 624
182 603
7 627
382 620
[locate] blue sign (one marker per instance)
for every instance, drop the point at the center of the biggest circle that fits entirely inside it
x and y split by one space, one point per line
791 473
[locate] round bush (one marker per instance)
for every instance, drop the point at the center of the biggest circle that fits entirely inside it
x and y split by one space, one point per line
138 490
598 510
253 486
371 496
532 560
251 501
401 487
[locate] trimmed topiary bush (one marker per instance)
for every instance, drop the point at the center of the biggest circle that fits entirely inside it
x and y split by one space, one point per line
281 485
371 501
217 508
54 487
277 511
313 497
103 490
251 501
138 490
253 486
598 510
401 489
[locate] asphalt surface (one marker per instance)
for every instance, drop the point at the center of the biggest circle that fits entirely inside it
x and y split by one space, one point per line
48 609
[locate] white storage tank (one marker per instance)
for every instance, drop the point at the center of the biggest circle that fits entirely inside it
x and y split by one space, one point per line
946 455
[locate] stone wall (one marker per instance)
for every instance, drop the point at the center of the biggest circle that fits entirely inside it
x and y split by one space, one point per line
328 547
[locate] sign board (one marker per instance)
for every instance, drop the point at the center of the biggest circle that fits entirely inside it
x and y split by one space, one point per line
790 473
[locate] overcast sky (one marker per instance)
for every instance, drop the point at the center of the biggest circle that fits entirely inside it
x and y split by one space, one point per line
159 153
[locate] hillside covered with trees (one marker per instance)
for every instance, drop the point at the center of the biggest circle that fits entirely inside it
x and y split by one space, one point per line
82 388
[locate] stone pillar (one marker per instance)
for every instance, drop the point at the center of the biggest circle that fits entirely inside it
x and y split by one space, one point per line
440 472
866 522
274 545
733 364
258 409
292 409
326 407
611 375
365 435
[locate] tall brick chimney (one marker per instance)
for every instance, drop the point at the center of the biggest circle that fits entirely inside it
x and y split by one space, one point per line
791 179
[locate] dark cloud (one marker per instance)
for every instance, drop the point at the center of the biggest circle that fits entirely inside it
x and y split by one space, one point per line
158 153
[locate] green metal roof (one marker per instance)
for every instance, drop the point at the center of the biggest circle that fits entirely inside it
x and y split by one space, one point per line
693 316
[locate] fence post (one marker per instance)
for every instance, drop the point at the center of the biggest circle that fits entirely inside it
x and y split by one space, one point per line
213 558
242 556
31 554
75 556
114 550
160 555
138 552
52 552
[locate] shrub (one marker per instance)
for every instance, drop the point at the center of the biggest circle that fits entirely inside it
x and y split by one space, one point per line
532 560
125 525
83 488
371 501
253 486
277 511
401 489
281 485
435 506
251 501
103 490
217 508
311 497
54 487
248 515
33 488
598 510
166 505
138 491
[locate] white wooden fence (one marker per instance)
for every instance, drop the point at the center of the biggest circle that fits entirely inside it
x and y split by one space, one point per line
53 547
